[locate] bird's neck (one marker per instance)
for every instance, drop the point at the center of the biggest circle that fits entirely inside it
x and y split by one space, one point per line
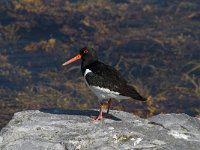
86 64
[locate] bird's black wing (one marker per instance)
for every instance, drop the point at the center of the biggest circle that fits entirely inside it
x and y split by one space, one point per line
106 74
108 77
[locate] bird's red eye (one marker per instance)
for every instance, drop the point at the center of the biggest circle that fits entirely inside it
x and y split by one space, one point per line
85 51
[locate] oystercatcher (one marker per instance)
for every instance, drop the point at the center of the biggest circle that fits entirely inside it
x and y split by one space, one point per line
103 80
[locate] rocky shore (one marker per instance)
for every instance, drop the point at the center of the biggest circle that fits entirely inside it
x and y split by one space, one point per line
56 129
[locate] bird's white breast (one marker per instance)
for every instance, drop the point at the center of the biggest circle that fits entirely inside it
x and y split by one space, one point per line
87 71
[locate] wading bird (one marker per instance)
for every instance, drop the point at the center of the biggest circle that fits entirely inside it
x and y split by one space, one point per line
103 80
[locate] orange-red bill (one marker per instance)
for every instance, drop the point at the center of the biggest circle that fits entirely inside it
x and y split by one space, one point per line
77 57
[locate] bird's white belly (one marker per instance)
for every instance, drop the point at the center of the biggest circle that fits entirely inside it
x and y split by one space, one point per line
104 93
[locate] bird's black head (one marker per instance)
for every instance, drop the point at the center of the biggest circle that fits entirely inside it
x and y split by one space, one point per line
88 56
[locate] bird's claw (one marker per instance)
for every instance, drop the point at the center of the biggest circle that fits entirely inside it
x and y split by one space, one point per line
96 118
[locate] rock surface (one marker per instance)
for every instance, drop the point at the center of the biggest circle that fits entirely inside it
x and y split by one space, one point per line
54 129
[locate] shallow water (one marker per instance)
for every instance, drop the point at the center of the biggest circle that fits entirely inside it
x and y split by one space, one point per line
154 44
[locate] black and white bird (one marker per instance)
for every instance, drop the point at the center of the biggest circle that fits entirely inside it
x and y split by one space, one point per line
103 80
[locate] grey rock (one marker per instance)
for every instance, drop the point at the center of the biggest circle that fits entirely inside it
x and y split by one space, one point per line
54 129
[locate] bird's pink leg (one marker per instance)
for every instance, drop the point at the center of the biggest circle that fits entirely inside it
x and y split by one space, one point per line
109 104
100 116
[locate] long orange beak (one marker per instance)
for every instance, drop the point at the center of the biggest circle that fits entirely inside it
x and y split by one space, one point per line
77 57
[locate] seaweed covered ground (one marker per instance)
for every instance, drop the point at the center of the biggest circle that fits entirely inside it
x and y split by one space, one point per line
154 44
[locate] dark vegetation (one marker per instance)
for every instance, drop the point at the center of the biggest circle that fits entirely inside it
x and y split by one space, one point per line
155 45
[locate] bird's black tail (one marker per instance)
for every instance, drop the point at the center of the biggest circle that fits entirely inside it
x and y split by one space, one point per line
137 96
132 92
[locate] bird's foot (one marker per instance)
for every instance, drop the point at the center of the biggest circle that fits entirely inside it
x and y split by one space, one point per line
96 118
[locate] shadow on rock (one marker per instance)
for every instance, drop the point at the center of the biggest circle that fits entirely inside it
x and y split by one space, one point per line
88 113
